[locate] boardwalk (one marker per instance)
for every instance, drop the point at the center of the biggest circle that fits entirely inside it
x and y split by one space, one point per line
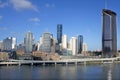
65 61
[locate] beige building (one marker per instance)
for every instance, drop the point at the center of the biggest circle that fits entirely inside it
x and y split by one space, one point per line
44 56
20 52
64 41
4 56
73 45
84 52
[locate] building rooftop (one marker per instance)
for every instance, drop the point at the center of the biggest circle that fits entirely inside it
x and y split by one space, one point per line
109 12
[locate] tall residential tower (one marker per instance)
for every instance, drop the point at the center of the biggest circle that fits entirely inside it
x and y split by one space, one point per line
59 33
73 45
64 41
79 44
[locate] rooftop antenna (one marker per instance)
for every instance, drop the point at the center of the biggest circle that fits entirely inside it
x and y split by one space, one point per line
106 4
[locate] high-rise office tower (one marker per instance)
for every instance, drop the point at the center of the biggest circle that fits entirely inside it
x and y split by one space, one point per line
79 44
73 45
28 41
64 41
109 33
46 42
9 43
59 33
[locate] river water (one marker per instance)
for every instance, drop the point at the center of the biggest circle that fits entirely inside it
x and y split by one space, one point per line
61 72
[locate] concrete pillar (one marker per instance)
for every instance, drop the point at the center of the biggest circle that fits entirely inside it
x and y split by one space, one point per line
112 61
19 64
55 63
44 64
32 64
84 62
66 63
76 63
102 61
7 65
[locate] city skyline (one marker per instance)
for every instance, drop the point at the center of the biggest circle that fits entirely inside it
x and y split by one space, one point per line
80 17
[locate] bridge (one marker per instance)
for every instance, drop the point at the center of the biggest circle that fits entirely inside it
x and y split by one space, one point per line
64 61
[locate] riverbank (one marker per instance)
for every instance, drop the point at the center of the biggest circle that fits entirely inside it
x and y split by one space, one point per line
62 62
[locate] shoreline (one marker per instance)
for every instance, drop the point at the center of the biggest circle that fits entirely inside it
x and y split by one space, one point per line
69 63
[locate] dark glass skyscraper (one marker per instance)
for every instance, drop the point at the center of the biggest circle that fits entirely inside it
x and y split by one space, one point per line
109 33
59 33
80 43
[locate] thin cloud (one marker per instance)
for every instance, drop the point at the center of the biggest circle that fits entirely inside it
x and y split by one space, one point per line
3 28
35 19
23 4
0 17
89 30
16 34
2 5
48 5
19 5
53 5
37 24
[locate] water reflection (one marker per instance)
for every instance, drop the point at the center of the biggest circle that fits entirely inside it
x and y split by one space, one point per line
110 75
62 72
110 72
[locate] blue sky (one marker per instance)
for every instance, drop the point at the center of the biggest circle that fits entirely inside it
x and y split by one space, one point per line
78 17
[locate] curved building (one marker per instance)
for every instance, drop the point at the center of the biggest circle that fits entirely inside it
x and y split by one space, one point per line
109 33
28 41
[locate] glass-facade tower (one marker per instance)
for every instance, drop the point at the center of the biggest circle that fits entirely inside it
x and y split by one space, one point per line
59 33
46 42
9 43
80 43
28 41
109 33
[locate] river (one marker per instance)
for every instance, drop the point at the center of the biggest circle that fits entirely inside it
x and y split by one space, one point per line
61 72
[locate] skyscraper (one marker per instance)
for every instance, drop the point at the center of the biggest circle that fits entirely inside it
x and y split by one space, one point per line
79 44
59 33
46 42
9 43
109 33
73 45
64 41
28 41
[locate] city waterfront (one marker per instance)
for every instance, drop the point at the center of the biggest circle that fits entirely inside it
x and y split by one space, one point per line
59 40
108 71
